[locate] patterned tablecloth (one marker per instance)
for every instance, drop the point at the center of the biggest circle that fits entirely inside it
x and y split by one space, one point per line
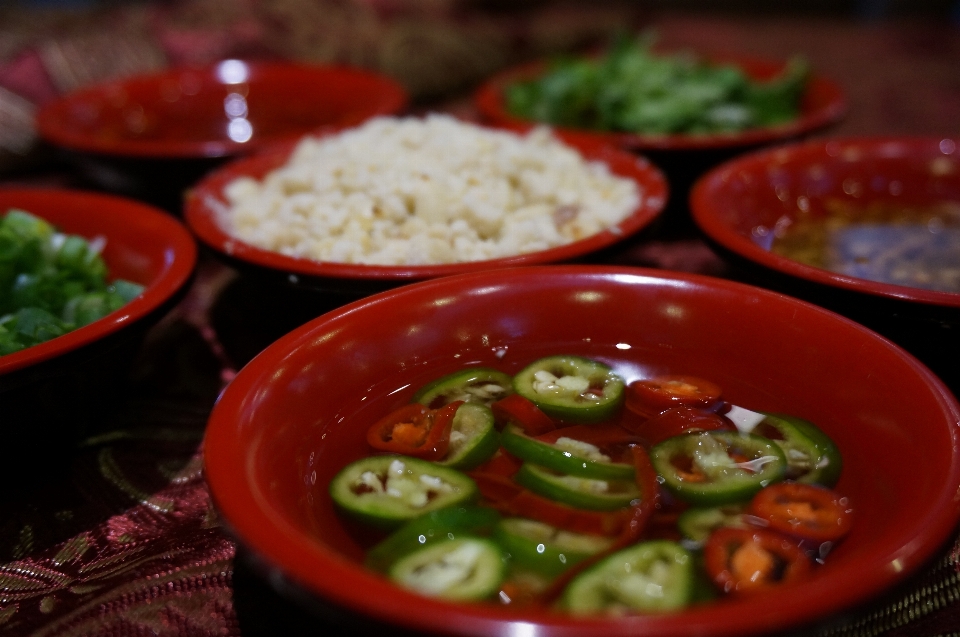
121 539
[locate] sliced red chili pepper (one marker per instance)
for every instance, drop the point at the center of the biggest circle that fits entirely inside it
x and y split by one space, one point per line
651 396
495 489
415 430
679 420
649 486
747 560
501 463
494 477
805 511
523 413
530 505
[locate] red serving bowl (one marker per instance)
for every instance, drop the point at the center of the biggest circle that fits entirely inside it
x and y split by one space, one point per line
51 390
229 108
143 245
206 201
824 103
739 205
299 412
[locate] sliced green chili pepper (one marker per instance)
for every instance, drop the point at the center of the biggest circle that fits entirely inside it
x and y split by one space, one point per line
387 491
571 388
473 438
812 457
480 385
545 549
436 526
719 467
566 455
696 523
463 569
579 492
650 577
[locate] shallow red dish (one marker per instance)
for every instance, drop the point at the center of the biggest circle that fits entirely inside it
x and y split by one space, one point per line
824 103
299 411
206 200
228 108
144 245
737 202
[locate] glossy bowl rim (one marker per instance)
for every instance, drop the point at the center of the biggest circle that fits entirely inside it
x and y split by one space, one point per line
705 215
489 102
180 261
200 216
292 553
61 134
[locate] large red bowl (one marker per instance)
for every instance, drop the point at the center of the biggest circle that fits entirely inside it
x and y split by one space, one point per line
299 411
206 201
823 103
229 108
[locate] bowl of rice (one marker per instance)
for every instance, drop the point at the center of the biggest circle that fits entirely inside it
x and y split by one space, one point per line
402 199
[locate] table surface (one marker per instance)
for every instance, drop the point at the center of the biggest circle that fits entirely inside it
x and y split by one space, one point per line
122 539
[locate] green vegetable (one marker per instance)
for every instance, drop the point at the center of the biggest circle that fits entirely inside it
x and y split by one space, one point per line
571 388
697 523
436 526
544 549
650 577
718 467
50 283
388 490
812 457
582 493
473 437
569 458
463 569
632 89
479 385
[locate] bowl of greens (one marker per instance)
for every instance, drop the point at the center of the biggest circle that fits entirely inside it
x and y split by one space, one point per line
643 99
82 276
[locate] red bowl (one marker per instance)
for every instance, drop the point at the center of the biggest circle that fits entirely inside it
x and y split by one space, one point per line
206 200
824 103
144 245
229 108
750 195
299 411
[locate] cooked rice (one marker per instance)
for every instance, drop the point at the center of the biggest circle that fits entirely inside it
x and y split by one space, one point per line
415 191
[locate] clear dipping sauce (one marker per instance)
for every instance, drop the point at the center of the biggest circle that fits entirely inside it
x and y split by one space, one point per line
882 241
